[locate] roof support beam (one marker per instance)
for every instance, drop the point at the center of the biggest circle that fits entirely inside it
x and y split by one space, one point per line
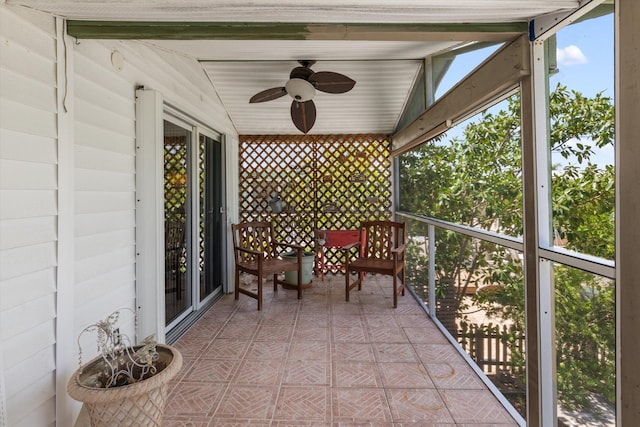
293 31
627 208
499 73
547 25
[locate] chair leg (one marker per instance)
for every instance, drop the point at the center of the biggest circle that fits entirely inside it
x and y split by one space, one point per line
403 282
237 288
395 290
259 292
360 278
346 285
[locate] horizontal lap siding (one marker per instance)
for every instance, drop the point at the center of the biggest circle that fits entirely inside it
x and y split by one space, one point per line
104 182
104 160
102 109
28 214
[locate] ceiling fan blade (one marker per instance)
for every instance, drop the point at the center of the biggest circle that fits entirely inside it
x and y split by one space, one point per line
330 82
303 115
268 95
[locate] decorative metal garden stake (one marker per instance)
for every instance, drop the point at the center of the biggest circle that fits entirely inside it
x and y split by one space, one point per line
123 363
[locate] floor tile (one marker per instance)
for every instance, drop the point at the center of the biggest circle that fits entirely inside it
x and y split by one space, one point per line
304 404
405 375
429 335
225 349
321 361
213 370
307 372
394 352
390 334
346 351
247 402
360 405
362 424
356 374
417 405
475 406
194 399
309 350
349 334
238 422
259 373
380 321
311 333
263 350
191 346
274 332
186 421
237 331
453 376
438 353
413 320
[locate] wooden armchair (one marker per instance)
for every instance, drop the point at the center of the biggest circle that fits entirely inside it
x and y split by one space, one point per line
382 251
256 252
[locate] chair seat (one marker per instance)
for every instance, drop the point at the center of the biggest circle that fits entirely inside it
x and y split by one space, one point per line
269 266
370 265
254 241
382 247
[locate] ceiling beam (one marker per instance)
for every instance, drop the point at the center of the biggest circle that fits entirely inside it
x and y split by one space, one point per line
499 73
293 31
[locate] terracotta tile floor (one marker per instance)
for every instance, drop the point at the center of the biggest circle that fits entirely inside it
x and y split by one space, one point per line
321 361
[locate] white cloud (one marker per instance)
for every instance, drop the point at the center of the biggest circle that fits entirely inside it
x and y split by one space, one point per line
570 55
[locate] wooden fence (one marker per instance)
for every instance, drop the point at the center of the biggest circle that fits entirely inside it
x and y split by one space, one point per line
494 348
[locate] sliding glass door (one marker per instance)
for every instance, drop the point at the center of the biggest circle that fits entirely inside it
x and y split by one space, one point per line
193 224
210 237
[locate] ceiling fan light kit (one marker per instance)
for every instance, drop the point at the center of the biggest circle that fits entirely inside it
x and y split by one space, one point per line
300 90
301 86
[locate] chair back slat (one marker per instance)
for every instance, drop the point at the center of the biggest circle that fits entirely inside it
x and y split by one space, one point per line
254 236
380 237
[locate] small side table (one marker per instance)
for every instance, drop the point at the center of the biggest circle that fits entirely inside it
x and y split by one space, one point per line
331 239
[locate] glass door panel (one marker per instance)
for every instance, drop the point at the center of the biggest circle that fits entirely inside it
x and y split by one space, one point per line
178 295
210 230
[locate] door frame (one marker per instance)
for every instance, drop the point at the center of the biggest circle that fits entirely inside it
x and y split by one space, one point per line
151 111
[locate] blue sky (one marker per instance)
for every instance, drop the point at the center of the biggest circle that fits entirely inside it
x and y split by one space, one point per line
585 57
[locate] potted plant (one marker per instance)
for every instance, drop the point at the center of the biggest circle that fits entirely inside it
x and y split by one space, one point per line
125 385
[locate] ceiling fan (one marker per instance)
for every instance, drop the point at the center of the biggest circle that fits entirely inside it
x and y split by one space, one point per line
301 86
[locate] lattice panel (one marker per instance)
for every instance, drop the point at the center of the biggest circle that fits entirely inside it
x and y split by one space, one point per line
175 178
324 181
202 147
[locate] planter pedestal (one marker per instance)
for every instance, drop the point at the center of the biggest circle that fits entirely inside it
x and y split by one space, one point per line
138 404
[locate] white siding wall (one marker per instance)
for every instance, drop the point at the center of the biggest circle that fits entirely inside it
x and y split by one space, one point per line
104 182
28 214
101 131
105 160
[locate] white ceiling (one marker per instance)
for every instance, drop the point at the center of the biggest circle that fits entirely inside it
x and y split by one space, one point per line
384 66
317 11
372 106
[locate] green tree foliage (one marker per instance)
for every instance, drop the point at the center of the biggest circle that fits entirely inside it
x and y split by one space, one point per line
476 180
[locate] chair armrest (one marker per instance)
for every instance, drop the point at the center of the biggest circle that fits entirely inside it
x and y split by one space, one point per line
399 249
351 245
249 251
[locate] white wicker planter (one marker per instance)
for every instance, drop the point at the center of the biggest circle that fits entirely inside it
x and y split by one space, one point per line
138 404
